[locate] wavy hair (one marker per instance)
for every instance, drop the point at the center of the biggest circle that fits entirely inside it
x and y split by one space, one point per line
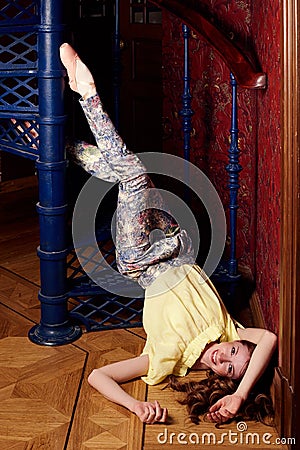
201 395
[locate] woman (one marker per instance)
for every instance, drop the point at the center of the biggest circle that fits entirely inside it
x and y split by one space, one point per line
185 320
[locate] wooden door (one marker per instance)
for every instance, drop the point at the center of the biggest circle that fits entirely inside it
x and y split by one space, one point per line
141 79
287 381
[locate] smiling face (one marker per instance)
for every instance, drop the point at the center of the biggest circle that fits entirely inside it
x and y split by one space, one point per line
227 359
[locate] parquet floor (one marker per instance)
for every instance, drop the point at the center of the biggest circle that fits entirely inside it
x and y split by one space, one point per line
46 402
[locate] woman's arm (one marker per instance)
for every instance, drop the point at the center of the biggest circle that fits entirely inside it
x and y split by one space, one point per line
106 380
266 342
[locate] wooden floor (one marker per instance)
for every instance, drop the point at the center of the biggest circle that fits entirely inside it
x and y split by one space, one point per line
46 402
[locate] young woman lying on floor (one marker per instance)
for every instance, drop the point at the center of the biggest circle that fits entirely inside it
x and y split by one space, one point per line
186 322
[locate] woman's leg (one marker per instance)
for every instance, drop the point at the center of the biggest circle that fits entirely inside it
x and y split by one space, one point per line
148 238
91 160
123 162
146 233
113 150
140 210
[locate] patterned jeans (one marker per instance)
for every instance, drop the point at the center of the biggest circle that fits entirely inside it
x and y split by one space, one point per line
148 239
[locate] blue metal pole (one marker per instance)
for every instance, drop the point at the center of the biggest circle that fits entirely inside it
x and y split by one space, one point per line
54 327
186 111
233 169
116 66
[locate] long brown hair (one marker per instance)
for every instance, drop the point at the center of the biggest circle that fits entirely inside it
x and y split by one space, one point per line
201 395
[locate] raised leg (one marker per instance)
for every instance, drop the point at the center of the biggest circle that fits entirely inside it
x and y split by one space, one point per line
91 160
123 162
146 233
148 239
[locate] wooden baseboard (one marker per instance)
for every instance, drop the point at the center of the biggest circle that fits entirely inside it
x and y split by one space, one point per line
277 387
284 405
254 302
257 314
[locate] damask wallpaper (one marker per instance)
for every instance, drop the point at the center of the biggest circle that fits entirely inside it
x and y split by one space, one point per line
254 26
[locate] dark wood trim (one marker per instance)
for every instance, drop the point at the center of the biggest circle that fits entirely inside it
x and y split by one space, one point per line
289 338
277 384
256 311
246 73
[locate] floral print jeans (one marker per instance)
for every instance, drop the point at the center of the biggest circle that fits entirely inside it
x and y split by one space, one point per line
148 239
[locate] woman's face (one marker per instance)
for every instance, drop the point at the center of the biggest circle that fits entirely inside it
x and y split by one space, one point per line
227 359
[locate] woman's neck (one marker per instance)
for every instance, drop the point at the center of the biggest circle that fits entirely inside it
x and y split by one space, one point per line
199 365
201 362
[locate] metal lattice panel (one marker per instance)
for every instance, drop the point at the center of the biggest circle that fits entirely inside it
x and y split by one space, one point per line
19 135
19 93
18 77
89 261
18 50
19 11
107 311
92 303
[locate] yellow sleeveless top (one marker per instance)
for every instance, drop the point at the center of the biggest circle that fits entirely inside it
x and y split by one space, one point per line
182 314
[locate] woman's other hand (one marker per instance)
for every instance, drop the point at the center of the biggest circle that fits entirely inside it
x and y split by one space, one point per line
150 413
224 409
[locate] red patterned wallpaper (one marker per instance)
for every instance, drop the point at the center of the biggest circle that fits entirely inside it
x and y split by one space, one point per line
259 138
266 35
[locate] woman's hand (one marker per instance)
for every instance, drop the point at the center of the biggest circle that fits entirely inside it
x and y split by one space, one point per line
224 409
149 412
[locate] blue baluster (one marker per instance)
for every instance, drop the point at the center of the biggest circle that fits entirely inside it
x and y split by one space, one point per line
186 111
116 66
233 169
54 327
